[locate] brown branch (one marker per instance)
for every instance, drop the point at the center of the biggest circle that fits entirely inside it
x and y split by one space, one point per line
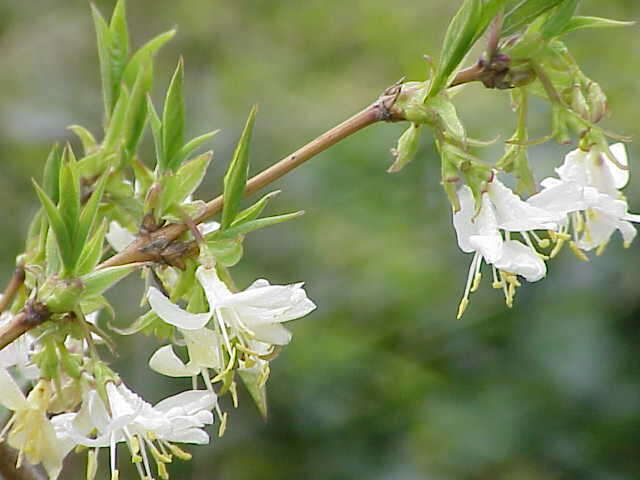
12 288
139 250
32 315
8 470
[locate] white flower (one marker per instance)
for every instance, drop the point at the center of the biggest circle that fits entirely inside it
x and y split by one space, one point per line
119 237
255 314
17 352
587 195
29 429
480 231
149 431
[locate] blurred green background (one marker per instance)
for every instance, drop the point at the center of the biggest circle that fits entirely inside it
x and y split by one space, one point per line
381 382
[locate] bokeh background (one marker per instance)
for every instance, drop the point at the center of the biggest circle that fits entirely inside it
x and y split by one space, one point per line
381 382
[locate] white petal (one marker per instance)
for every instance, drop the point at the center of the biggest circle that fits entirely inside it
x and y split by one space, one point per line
559 197
462 220
118 237
214 288
574 168
620 176
11 396
522 260
279 302
194 435
487 239
627 230
208 227
173 314
203 348
166 362
515 215
599 228
187 403
273 333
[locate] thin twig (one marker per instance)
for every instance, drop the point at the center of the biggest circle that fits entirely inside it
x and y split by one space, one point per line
12 288
32 315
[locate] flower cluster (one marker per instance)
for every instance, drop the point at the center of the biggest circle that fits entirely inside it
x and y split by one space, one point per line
582 207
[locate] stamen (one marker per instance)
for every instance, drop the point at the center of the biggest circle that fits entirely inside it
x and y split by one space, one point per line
178 452
496 283
467 289
577 252
92 464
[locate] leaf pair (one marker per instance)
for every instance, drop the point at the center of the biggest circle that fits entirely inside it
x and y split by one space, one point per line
70 222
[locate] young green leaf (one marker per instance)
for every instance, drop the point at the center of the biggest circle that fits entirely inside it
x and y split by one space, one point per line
173 119
69 203
144 177
92 251
51 180
104 53
525 12
119 50
99 281
62 236
579 23
236 177
406 148
227 251
191 145
86 138
191 174
113 136
144 55
90 211
254 380
458 40
254 210
137 109
558 19
156 130
257 224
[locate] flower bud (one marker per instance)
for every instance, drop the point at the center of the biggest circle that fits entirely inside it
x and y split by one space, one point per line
597 101
61 295
406 149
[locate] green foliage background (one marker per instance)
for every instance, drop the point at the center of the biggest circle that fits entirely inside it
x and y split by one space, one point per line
381 382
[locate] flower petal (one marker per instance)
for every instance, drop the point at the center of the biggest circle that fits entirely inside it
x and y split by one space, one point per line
273 333
173 314
559 198
11 397
515 215
119 237
574 168
187 403
520 259
462 219
620 176
166 362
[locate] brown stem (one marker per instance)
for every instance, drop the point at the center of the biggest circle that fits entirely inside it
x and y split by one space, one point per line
138 251
8 470
12 288
32 315
468 75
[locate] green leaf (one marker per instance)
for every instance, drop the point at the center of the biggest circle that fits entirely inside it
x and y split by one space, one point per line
99 281
144 55
254 380
489 12
137 109
558 19
254 210
92 251
62 236
461 34
525 12
227 251
156 130
144 177
406 149
53 257
69 203
143 322
257 224
119 50
51 180
236 177
173 119
114 135
104 53
86 138
191 174
190 146
579 23
90 211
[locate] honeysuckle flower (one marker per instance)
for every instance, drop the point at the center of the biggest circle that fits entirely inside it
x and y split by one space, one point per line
119 237
587 195
149 431
17 352
29 430
485 231
255 314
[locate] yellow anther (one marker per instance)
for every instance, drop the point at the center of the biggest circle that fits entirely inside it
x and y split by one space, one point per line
178 452
135 458
463 306
497 284
115 475
476 282
603 246
162 471
577 252
223 425
557 247
544 243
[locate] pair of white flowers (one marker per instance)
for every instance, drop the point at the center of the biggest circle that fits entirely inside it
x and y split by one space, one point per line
585 200
149 431
251 318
